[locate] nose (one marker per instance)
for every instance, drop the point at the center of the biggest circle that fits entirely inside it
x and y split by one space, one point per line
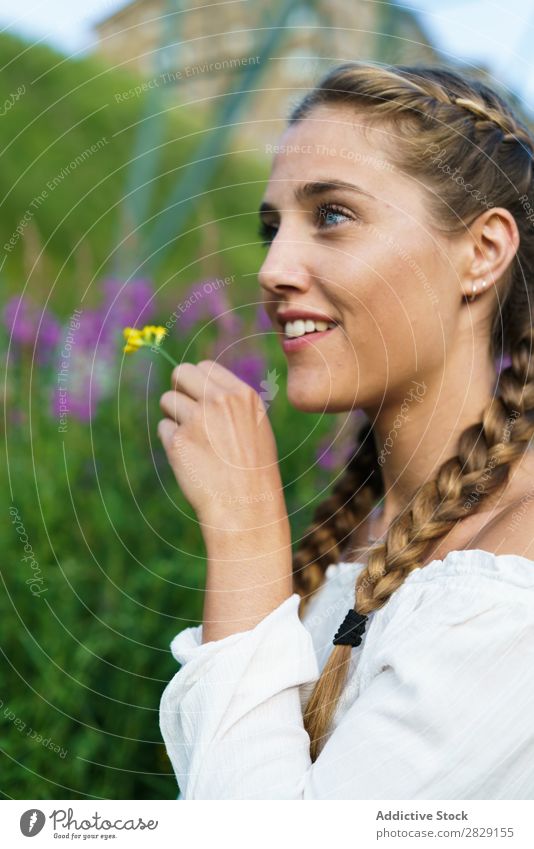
284 269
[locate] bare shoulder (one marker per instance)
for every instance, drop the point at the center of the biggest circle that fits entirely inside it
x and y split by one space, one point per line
512 531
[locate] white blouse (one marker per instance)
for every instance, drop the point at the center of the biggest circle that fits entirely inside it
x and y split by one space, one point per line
438 704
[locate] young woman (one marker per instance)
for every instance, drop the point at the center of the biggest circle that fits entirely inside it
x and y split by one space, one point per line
392 657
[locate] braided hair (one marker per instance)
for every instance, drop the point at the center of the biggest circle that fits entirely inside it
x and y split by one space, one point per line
473 128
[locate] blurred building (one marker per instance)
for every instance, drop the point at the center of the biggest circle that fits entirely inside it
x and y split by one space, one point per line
210 49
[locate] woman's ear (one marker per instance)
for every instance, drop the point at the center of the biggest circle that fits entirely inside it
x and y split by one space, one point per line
493 240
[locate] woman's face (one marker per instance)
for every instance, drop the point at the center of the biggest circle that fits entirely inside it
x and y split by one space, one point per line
364 257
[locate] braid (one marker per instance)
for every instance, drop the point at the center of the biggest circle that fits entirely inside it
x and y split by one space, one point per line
486 452
334 519
431 106
512 131
488 110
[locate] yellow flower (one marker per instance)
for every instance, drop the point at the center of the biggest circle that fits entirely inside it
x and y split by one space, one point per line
134 339
154 335
150 335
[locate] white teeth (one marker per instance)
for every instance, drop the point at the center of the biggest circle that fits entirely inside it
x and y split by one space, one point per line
299 327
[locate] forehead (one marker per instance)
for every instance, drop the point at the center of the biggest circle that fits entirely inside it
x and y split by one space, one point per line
334 142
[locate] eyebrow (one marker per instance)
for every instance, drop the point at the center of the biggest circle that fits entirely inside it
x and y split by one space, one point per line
318 187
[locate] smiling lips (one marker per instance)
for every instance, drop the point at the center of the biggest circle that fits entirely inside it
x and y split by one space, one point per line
299 327
297 342
298 322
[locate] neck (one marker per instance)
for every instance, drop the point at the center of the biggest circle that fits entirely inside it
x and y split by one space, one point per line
419 429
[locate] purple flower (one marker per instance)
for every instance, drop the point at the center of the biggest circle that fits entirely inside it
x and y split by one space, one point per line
90 332
19 320
242 359
325 455
86 368
263 322
127 302
49 332
251 368
30 325
88 373
80 406
502 363
204 300
330 456
335 449
86 377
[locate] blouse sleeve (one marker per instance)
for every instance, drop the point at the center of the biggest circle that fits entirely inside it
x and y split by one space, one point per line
440 706
231 717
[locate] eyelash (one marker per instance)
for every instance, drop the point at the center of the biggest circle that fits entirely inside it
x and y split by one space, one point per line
267 232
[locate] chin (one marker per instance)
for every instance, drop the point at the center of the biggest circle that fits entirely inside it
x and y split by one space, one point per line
314 399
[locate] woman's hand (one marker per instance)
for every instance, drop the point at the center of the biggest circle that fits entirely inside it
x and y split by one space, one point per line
222 450
221 447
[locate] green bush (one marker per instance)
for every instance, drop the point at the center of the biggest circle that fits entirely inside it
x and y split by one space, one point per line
118 562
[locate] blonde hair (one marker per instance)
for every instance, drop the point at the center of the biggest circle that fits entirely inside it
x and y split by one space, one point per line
475 131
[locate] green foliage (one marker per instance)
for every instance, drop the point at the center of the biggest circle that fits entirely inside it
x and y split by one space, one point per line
116 548
123 568
66 147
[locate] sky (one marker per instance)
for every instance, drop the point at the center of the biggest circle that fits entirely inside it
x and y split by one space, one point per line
498 34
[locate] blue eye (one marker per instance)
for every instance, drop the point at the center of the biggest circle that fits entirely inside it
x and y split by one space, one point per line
328 212
327 215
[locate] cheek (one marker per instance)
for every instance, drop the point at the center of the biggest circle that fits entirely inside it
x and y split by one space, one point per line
397 321
396 306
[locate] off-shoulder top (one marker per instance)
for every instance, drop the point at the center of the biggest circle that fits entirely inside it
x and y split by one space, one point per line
438 702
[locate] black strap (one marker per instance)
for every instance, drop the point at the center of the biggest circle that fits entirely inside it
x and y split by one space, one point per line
351 630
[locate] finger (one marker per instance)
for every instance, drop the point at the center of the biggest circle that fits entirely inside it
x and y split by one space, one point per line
177 406
220 374
194 381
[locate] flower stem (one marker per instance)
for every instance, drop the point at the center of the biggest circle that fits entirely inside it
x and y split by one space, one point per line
167 357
